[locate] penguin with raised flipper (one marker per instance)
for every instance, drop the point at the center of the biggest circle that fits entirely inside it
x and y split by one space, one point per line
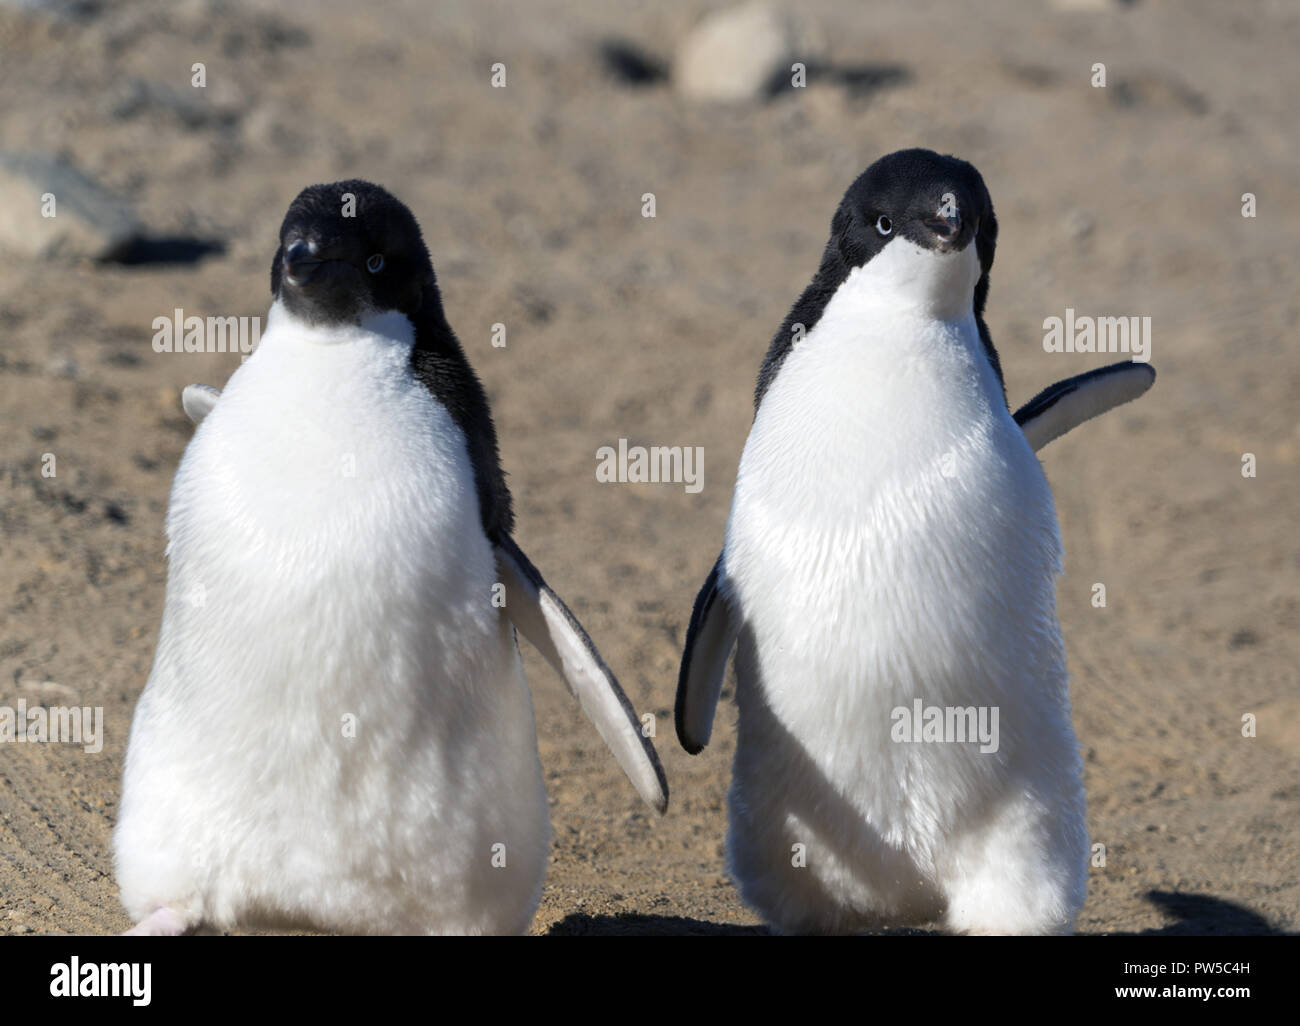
904 746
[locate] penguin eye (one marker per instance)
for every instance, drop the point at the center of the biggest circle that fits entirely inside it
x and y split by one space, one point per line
884 225
375 263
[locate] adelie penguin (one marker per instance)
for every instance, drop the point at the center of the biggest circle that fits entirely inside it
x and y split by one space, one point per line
337 732
893 542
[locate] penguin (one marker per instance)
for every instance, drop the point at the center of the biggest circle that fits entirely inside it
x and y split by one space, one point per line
892 549
337 732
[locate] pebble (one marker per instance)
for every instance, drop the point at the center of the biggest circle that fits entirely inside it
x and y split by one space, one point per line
742 53
89 221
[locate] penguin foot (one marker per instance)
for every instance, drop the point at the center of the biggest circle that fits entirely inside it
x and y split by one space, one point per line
161 922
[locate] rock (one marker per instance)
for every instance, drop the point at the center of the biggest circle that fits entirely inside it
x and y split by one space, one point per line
89 220
70 10
1079 225
742 53
215 105
61 365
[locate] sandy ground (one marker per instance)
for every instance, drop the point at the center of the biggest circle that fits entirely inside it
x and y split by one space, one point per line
1123 200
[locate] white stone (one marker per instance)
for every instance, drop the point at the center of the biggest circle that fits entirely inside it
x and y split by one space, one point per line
88 220
739 53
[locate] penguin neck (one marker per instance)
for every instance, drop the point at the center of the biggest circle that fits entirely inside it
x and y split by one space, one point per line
918 283
283 327
887 317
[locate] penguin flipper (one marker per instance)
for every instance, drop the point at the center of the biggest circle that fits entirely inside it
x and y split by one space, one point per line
710 637
198 401
543 618
1067 404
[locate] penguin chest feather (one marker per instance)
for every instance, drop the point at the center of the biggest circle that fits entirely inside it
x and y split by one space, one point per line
337 728
892 538
337 494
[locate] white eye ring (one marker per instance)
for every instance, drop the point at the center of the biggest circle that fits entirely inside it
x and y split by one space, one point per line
375 263
884 225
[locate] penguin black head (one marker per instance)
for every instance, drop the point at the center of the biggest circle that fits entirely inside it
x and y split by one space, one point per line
916 227
919 200
350 249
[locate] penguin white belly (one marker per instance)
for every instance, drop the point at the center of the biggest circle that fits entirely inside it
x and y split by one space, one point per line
337 731
892 539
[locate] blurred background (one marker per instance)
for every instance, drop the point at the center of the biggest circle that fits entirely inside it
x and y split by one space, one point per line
1122 200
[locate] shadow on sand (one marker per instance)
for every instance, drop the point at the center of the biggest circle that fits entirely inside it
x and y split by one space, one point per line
1197 915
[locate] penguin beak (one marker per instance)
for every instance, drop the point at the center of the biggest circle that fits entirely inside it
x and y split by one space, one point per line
945 227
300 262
